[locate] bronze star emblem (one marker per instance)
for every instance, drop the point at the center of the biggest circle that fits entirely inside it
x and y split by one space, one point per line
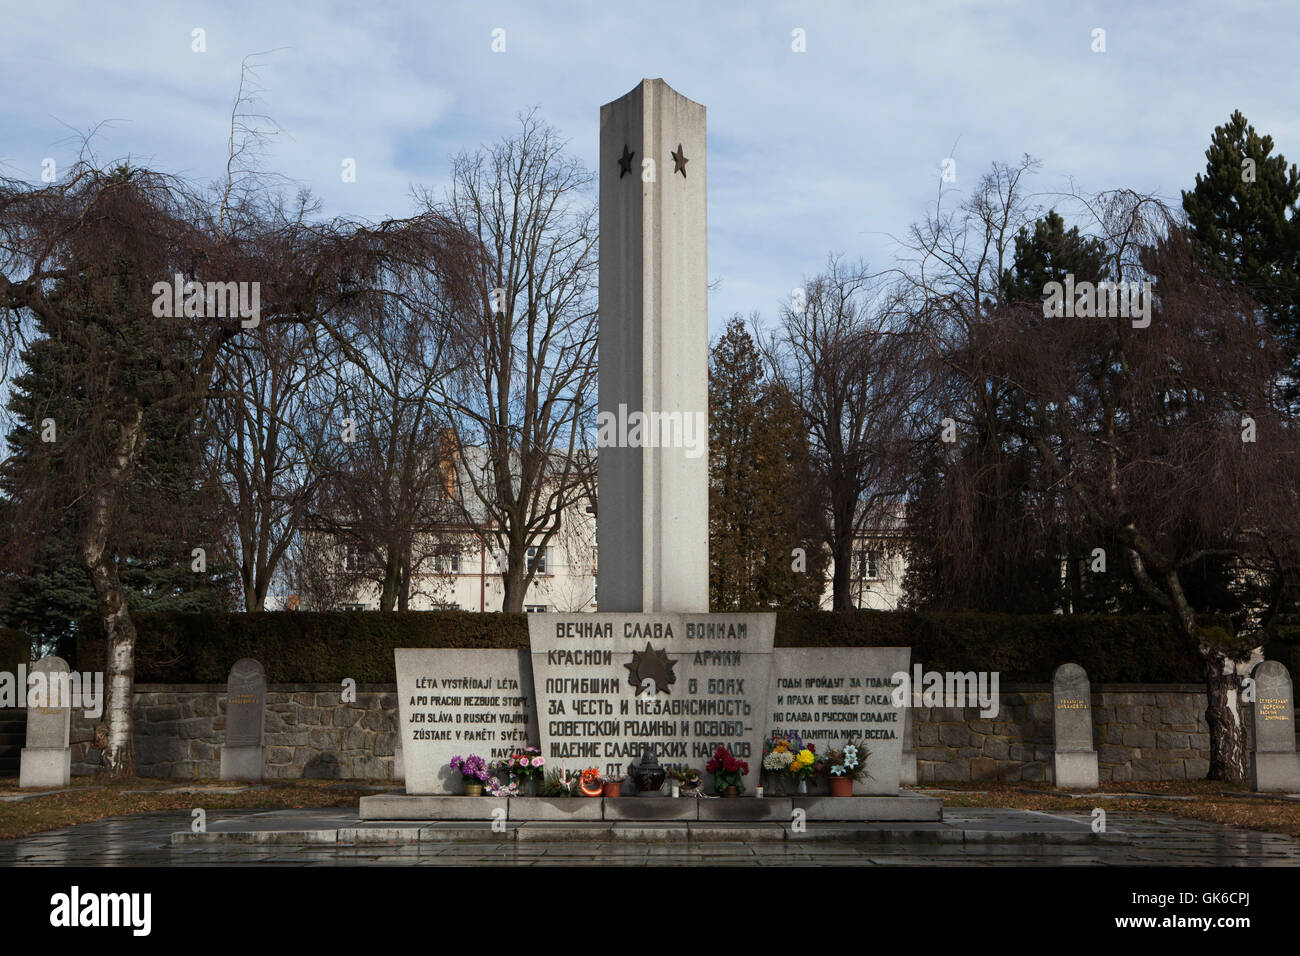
679 161
653 665
625 162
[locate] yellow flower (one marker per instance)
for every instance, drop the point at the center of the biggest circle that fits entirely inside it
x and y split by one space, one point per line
782 746
806 758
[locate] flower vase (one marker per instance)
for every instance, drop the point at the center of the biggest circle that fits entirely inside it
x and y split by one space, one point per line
841 786
529 787
731 792
803 786
473 788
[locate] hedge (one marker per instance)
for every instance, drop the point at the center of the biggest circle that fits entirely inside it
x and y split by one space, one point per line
308 648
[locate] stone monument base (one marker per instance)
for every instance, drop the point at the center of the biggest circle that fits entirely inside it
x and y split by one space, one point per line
44 767
907 772
243 763
1275 772
1077 770
906 806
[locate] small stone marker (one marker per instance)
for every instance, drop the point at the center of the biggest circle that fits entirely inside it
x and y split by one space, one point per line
1074 763
244 755
46 761
1274 765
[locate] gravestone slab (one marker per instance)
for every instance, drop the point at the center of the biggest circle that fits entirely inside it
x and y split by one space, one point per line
46 761
243 757
907 775
609 684
831 694
456 702
1274 765
1074 762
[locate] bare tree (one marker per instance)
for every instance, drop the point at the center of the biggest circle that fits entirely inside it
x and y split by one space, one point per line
846 355
1140 427
273 428
525 394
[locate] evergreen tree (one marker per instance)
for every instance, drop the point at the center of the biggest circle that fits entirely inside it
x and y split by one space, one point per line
167 513
762 499
1243 212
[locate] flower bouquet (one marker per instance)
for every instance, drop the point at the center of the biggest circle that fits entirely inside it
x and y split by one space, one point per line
790 759
728 772
689 781
524 770
473 773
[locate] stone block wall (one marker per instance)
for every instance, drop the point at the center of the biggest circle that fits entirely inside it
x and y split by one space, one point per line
310 732
1140 732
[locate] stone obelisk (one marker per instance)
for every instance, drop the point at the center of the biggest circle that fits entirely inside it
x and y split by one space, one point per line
652 528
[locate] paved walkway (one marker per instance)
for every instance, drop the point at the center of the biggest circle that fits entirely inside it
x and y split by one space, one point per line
967 837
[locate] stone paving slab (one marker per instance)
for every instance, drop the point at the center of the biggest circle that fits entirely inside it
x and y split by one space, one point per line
1141 840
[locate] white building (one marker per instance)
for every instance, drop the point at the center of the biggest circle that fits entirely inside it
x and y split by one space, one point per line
464 574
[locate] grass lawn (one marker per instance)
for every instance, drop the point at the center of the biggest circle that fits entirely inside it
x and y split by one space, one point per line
1208 800
90 799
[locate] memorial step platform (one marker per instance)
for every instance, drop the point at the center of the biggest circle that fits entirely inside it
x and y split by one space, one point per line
903 807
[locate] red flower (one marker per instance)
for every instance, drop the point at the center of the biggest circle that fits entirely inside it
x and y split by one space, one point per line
730 763
711 766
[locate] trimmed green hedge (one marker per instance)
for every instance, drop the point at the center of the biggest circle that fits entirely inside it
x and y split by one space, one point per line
1130 649
310 648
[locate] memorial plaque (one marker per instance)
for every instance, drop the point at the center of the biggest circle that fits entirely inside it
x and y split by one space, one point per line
1274 709
609 684
49 726
457 702
1071 709
245 704
829 695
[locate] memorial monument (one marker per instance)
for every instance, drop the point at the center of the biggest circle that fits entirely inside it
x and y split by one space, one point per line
652 672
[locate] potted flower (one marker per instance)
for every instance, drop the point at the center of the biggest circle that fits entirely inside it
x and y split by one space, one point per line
845 766
473 771
728 772
613 785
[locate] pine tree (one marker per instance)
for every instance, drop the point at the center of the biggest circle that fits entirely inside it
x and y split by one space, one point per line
1243 212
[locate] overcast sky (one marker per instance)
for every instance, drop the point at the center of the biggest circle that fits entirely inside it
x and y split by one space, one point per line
834 149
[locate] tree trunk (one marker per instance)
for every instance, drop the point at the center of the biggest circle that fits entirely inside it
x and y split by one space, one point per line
1223 713
841 590
515 578
114 734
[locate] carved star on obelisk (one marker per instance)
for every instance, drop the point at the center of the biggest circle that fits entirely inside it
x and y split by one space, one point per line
625 162
653 665
679 161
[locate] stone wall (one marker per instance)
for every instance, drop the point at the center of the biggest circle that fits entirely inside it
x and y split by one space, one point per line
1140 732
310 732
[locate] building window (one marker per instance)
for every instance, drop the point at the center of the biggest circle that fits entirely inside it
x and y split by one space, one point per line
534 608
355 557
540 560
354 607
866 565
447 562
